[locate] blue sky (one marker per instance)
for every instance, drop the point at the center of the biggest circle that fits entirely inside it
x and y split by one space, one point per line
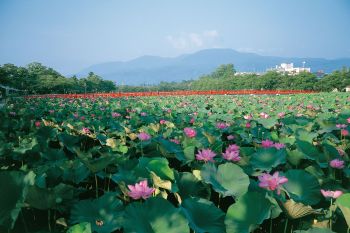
70 35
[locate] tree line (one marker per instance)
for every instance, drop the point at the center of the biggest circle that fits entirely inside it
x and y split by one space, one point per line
36 78
226 78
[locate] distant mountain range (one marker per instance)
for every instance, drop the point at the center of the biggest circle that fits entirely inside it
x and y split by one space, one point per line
153 69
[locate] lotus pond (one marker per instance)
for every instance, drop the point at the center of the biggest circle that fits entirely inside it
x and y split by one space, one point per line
216 164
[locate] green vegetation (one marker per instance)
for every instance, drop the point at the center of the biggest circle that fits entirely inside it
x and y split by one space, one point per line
38 79
179 164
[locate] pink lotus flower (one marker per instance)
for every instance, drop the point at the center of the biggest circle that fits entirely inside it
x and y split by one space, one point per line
37 124
272 182
331 194
341 126
232 147
279 146
140 190
191 133
344 132
248 117
341 151
82 118
348 120
144 136
232 153
221 125
205 155
230 137
116 114
76 115
264 115
51 111
192 121
247 125
337 163
162 122
86 130
175 141
267 143
310 106
143 114
231 156
281 114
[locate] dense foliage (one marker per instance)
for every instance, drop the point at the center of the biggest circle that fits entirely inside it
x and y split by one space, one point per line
226 78
176 164
38 79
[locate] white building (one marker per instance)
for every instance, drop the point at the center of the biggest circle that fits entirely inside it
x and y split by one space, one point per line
290 69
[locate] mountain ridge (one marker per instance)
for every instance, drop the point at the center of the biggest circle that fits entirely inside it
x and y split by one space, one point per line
150 69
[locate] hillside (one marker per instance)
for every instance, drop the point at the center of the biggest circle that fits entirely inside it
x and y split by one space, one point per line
153 69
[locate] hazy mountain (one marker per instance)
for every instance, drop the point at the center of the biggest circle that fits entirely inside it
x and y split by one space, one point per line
153 69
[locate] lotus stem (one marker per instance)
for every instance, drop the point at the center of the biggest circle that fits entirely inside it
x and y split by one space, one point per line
96 185
285 226
54 220
331 217
49 219
219 200
24 222
109 181
270 224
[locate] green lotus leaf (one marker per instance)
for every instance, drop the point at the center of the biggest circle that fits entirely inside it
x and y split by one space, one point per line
160 166
247 213
343 202
302 187
155 215
304 135
69 141
266 159
188 154
295 156
84 227
105 214
309 150
74 171
190 186
268 122
49 198
26 145
13 191
169 149
203 215
95 164
228 179
315 230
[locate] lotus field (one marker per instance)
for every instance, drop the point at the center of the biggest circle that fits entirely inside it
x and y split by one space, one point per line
176 164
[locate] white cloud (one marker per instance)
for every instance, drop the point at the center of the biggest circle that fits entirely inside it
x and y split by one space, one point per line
193 40
211 33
